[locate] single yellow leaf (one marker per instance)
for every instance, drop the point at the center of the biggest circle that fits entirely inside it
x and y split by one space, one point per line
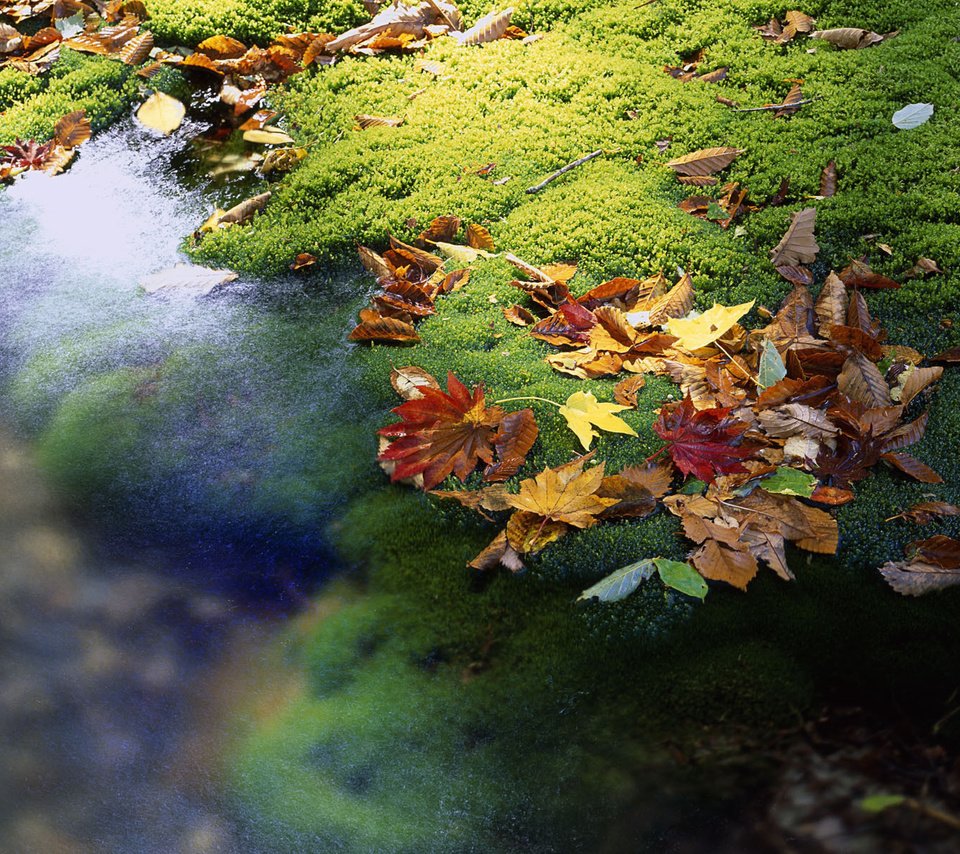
583 413
267 137
697 332
161 112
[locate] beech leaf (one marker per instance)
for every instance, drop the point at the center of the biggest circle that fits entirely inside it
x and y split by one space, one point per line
706 161
161 112
489 28
912 116
798 245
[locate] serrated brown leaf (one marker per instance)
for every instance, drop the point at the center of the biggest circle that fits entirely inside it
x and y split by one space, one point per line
72 129
373 263
489 28
514 438
365 121
706 161
906 434
443 229
861 380
721 563
914 578
625 391
406 297
858 274
831 305
917 380
828 180
492 498
791 103
925 512
655 476
811 392
798 245
912 467
848 38
245 211
137 49
479 238
856 339
633 501
677 302
408 381
384 330
795 419
222 47
769 548
939 550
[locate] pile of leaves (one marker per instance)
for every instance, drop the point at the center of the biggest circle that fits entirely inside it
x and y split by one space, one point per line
411 278
775 426
70 132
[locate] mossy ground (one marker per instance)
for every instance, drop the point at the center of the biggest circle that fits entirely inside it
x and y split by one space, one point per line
393 749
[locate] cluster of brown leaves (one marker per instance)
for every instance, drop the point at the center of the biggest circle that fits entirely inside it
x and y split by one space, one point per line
797 23
793 24
411 278
687 71
71 131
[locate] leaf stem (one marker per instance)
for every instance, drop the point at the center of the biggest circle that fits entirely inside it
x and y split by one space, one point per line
733 361
541 399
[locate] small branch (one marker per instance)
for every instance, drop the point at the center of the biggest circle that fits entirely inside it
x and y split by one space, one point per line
564 170
773 107
541 399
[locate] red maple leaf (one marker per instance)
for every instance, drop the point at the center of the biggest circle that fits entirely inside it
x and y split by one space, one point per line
443 432
704 442
28 155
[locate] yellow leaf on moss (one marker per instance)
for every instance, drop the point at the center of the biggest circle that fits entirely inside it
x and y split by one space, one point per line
583 413
697 332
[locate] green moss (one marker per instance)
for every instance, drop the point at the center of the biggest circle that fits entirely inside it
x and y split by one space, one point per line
32 106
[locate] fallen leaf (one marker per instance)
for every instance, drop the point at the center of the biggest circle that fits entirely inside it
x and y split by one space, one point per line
582 413
162 113
302 261
925 512
772 369
914 578
625 391
72 130
408 381
564 494
479 238
518 315
798 245
620 583
706 161
912 116
698 332
384 330
737 567
912 467
848 38
514 438
267 137
365 121
828 180
861 380
499 552
705 442
186 279
489 28
790 481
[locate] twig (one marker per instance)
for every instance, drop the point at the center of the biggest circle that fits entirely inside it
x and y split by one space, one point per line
648 3
564 170
773 106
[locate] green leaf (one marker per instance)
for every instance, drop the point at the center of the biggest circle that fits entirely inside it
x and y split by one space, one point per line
772 368
789 481
878 803
681 576
692 487
620 583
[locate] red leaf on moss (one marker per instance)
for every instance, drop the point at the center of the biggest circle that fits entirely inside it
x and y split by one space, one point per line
705 442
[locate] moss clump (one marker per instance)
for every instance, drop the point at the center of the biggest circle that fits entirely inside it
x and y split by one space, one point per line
32 105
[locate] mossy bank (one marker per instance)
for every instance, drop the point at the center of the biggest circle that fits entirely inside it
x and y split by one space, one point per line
447 712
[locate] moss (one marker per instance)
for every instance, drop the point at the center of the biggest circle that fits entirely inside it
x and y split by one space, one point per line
102 87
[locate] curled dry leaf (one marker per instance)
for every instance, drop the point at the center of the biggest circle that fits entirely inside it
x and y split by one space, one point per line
365 121
848 38
384 330
925 512
625 392
479 238
303 261
518 315
408 382
798 245
514 438
858 274
912 467
706 161
828 180
72 129
489 28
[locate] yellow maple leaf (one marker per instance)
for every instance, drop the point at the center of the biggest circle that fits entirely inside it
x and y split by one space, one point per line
583 413
696 332
565 494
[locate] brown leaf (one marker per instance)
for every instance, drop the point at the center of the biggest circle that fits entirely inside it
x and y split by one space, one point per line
489 28
923 267
137 49
790 102
831 305
222 47
858 316
917 380
720 563
373 263
620 292
912 467
518 315
427 261
244 212
443 229
857 274
625 391
938 550
365 121
633 501
770 548
499 552
405 297
454 280
677 302
848 38
492 498
529 533
795 419
862 381
706 161
479 238
794 274
948 357
798 245
832 495
655 476
925 512
408 381
811 392
857 339
828 180
384 330
72 130
514 439
302 261
913 578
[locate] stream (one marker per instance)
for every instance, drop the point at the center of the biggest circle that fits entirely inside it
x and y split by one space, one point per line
125 647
